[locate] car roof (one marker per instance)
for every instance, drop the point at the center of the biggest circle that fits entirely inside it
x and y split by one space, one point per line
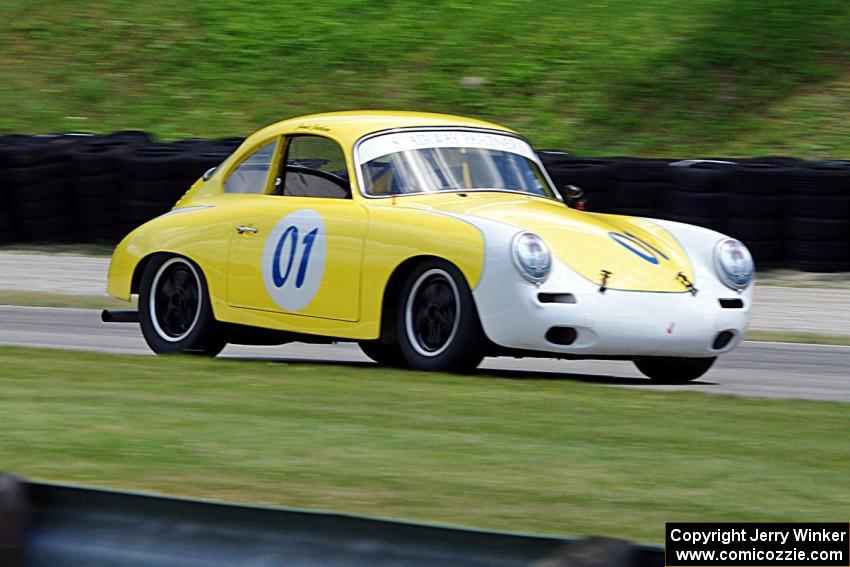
349 126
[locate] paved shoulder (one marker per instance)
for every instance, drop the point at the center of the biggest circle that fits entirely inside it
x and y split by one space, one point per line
779 370
73 274
77 329
802 310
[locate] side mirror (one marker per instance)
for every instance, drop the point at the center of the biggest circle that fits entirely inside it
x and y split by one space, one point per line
574 197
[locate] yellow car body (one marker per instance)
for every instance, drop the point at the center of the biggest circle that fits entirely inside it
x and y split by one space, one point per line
371 239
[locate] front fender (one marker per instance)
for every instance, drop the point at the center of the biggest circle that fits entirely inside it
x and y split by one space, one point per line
699 244
398 234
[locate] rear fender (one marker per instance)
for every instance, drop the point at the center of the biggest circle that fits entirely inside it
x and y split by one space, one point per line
198 233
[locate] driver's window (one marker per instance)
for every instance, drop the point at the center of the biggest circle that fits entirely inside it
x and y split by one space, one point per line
314 167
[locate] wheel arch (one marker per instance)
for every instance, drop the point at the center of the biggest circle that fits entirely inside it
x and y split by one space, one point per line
392 290
142 265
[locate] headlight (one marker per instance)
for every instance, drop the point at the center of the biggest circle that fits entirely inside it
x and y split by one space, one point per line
531 256
734 263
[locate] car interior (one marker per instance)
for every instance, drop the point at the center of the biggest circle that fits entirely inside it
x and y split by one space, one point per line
313 167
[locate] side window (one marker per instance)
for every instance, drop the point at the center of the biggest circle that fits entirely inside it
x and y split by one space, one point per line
251 175
314 167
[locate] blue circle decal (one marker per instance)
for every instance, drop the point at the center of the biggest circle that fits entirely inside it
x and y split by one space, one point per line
637 246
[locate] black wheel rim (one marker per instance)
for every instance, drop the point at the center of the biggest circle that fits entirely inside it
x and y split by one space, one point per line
176 300
434 312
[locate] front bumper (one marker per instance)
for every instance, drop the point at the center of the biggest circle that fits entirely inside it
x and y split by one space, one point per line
610 324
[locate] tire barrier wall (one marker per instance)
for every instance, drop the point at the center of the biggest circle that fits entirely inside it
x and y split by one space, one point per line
48 524
71 188
789 212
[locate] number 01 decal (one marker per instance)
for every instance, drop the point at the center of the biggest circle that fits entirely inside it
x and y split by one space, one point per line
294 259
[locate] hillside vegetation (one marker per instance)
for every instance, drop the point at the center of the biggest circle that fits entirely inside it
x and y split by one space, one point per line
645 77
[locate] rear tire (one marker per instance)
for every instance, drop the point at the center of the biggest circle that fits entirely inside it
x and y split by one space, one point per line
174 309
437 321
674 370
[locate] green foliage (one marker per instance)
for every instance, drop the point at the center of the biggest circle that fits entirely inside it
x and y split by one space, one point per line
498 450
651 77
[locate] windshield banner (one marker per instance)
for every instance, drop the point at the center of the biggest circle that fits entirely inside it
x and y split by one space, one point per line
405 141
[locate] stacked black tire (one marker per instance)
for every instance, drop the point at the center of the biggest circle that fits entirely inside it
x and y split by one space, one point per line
157 175
788 212
757 207
593 176
700 193
6 234
72 188
818 224
640 186
619 185
36 204
95 189
152 183
98 181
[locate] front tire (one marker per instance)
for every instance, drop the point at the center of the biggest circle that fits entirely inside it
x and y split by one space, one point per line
437 322
384 354
674 370
174 309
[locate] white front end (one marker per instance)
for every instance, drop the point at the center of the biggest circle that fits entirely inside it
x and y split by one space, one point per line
518 314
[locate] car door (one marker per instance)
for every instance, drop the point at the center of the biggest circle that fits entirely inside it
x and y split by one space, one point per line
297 248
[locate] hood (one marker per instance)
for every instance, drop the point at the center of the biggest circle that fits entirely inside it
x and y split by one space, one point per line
638 254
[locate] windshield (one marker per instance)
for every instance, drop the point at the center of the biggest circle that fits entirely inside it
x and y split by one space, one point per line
426 162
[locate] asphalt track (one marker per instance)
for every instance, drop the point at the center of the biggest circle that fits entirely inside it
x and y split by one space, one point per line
774 370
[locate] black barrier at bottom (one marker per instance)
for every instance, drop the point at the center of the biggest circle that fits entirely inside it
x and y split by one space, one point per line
83 526
14 519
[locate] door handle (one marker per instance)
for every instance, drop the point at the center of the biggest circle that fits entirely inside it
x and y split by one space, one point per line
242 229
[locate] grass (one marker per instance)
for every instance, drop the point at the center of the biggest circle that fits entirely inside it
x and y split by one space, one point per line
501 451
651 77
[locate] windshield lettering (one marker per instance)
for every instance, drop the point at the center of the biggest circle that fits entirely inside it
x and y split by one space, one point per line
404 163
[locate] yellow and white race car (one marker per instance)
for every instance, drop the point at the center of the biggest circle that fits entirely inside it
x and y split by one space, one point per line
432 241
